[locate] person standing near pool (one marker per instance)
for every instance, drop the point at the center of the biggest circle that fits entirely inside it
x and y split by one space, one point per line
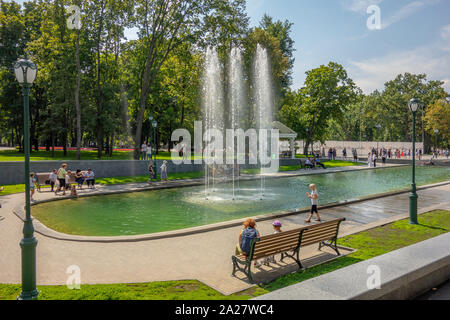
149 152
151 172
164 176
62 179
314 196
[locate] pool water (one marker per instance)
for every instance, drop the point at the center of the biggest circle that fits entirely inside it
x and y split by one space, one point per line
172 209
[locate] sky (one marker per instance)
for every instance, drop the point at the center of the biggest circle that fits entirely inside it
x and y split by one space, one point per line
413 36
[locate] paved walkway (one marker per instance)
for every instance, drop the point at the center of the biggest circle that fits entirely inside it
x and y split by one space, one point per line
204 256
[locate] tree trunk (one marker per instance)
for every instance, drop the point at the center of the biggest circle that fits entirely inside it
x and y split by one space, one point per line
77 97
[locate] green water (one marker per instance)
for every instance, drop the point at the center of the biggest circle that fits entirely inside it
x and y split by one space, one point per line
172 209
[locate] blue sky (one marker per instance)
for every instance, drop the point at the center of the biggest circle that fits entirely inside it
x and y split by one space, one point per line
414 37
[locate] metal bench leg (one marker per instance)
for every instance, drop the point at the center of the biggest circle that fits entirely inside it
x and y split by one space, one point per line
249 273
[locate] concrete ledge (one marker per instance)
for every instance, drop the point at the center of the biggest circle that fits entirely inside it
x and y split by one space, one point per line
405 274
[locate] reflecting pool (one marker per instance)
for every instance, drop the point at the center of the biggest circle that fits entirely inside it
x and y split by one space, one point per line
173 209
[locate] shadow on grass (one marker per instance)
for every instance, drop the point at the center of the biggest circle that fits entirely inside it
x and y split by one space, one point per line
309 273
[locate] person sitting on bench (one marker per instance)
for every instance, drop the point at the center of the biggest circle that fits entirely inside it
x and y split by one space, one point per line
309 164
318 163
245 238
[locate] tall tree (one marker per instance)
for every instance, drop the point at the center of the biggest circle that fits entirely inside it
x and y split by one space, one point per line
162 26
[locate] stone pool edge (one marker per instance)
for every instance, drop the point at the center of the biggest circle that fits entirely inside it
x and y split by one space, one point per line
42 229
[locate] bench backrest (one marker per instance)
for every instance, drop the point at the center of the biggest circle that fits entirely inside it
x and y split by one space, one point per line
276 243
42 177
292 240
321 232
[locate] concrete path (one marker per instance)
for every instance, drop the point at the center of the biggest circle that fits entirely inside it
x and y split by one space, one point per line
205 256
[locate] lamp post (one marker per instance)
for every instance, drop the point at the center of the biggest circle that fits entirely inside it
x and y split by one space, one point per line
378 127
414 105
154 125
436 132
150 139
25 72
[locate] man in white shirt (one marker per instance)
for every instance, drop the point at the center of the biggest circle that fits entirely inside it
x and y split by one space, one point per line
90 179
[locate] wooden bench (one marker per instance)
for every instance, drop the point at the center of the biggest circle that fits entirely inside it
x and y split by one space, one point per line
43 177
288 244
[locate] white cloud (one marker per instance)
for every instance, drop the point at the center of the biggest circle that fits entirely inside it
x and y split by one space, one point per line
372 74
445 35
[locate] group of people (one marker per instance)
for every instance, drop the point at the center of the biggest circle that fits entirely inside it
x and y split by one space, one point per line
249 232
60 180
146 152
313 163
152 173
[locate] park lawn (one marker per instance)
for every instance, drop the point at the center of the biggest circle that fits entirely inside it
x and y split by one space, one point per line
13 188
140 179
369 244
340 163
14 155
168 290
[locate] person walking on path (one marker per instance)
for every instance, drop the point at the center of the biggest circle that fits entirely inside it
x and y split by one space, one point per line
355 155
32 185
164 176
53 179
334 154
151 172
314 196
370 160
344 153
62 179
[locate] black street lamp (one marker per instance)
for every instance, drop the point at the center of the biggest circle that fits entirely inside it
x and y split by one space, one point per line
414 105
25 72
154 125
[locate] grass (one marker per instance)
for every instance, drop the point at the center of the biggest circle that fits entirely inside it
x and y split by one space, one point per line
14 155
168 290
12 188
137 179
369 244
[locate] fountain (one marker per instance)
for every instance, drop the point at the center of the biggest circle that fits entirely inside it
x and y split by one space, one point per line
237 102
214 111
264 102
213 106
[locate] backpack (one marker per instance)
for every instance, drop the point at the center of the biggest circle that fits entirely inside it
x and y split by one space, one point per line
246 239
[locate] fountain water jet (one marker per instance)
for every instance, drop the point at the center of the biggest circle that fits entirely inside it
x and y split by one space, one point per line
213 106
237 103
263 100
